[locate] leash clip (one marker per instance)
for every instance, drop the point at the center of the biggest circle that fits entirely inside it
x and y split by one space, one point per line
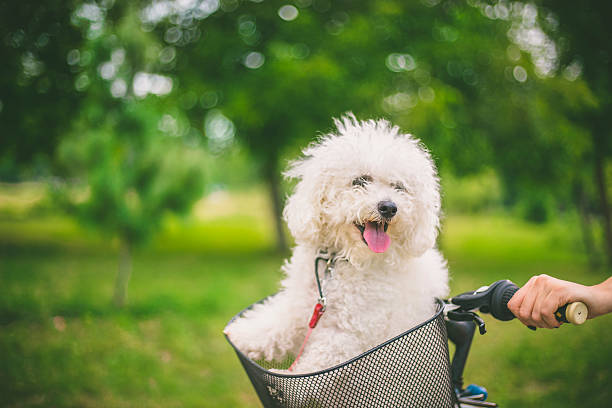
323 302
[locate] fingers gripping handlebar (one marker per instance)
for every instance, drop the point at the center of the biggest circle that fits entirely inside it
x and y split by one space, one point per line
494 299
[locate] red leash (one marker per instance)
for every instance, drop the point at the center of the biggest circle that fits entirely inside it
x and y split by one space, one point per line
319 309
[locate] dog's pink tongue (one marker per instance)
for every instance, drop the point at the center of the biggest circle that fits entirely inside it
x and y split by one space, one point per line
376 238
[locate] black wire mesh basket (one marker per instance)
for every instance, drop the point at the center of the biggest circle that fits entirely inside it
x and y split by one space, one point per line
409 370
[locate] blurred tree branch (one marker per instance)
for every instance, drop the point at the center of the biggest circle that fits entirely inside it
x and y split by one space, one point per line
583 34
36 83
522 88
128 170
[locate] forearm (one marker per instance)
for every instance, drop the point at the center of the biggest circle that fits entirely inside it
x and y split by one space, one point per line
600 299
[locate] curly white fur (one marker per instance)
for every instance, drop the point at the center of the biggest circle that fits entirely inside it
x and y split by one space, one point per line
371 296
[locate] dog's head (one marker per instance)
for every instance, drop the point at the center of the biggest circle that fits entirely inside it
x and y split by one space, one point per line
367 191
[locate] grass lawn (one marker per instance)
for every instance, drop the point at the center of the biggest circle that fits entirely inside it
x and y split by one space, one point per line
62 344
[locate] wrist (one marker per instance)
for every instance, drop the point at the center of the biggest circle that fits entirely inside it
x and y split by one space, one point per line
600 298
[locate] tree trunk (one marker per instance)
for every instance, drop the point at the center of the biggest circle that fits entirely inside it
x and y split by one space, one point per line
587 231
273 181
123 274
600 181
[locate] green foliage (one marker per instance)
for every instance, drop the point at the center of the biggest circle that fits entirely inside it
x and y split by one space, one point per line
583 47
36 83
462 76
457 75
131 173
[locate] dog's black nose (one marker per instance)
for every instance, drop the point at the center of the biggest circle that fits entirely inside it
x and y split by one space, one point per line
387 209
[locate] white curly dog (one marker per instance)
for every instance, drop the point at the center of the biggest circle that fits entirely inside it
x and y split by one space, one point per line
368 197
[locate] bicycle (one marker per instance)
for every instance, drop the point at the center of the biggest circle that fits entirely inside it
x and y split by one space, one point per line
412 369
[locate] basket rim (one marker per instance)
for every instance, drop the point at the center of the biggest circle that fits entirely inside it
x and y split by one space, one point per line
440 310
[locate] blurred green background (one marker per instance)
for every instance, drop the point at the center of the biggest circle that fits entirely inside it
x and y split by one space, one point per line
143 142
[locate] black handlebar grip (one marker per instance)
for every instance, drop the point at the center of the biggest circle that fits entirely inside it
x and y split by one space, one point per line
575 312
500 297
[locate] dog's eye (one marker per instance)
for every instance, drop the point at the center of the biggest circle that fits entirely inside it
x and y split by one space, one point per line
399 187
362 181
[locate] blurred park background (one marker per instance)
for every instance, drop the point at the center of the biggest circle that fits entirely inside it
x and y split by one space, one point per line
142 142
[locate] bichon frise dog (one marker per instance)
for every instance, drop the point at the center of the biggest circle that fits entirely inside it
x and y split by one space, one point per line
367 198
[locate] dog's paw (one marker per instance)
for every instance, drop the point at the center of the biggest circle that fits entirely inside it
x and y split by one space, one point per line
238 332
251 340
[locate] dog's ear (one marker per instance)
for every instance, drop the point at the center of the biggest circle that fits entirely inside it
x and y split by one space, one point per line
302 212
425 231
426 214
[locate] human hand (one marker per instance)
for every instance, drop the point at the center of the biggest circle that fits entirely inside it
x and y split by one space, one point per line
536 302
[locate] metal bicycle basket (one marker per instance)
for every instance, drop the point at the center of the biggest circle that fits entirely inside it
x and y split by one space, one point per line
409 370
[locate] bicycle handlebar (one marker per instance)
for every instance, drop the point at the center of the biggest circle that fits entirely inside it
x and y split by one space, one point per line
494 299
461 316
460 312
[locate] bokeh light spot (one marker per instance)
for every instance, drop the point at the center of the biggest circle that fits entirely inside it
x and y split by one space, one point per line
107 70
168 124
173 35
519 73
32 66
167 55
400 62
118 56
209 99
42 40
254 60
247 28
399 102
73 57
572 71
288 12
145 83
431 3
219 131
15 39
86 58
82 82
118 88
